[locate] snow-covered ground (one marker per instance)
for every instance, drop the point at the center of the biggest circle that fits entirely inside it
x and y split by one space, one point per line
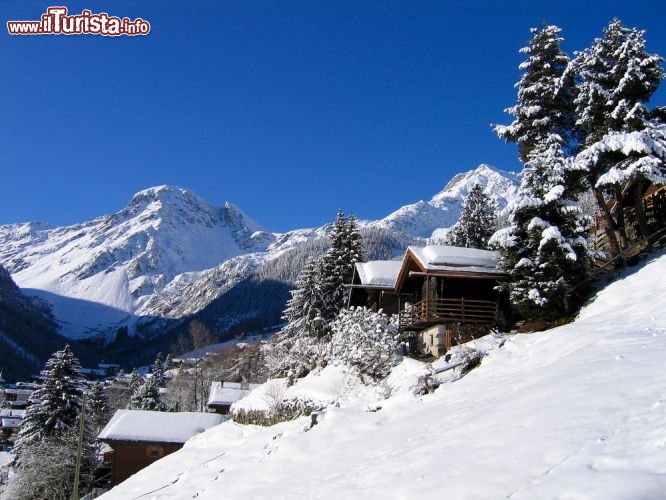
577 412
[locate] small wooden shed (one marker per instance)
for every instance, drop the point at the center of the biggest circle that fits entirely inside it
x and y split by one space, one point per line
373 285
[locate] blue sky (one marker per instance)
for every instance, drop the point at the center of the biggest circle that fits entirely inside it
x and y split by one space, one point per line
290 110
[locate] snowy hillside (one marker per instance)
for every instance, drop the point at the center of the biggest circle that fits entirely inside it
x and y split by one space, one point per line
574 412
169 253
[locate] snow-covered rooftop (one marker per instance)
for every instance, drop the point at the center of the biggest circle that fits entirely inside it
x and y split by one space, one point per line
10 423
157 426
379 273
442 257
226 393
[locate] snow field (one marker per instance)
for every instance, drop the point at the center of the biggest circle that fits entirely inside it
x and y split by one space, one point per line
574 412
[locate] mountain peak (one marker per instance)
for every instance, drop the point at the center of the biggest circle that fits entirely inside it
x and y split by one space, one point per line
165 194
487 176
427 219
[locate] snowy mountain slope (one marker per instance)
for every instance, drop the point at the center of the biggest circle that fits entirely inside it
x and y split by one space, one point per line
573 412
28 331
424 218
169 253
114 264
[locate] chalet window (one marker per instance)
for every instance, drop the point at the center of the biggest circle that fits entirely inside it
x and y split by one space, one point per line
154 451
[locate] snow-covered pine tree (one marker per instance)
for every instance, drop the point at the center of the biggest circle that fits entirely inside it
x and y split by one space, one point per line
476 223
148 397
295 349
50 429
544 250
355 249
346 248
157 370
621 140
168 362
59 400
98 411
319 295
135 381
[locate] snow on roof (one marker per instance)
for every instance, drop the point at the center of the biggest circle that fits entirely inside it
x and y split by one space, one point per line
226 393
10 423
9 412
379 273
157 426
19 392
441 257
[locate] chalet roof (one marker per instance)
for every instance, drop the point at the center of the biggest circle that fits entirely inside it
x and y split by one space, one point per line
378 273
157 426
442 260
442 257
226 393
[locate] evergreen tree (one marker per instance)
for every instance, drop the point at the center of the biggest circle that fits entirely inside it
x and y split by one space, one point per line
346 248
295 348
319 295
97 407
476 223
135 381
47 443
60 400
158 370
621 140
544 250
168 362
148 397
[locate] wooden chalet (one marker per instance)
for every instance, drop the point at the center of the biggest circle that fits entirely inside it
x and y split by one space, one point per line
443 294
373 285
652 197
139 437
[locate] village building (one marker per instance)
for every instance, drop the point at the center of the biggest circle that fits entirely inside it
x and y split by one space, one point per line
10 424
444 295
139 437
17 399
224 394
373 285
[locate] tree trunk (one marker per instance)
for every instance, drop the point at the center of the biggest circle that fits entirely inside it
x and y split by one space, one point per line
619 217
640 209
608 227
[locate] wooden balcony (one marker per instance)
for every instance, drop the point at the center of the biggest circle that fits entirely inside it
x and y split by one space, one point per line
436 311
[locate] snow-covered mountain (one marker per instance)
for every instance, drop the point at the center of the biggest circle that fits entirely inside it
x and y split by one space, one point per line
426 219
99 273
169 253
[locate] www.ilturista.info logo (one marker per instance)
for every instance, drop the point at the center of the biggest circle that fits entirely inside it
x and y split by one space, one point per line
57 22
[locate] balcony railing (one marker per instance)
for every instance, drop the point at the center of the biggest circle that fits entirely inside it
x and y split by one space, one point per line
436 311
